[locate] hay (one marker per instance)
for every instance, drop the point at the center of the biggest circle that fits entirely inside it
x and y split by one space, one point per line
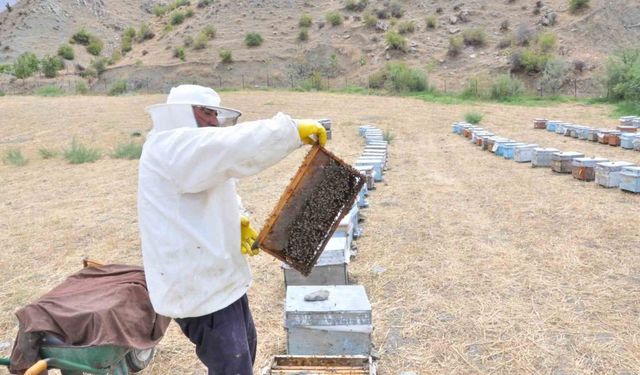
490 266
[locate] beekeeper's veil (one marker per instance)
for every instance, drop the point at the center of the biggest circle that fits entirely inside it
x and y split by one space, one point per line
178 112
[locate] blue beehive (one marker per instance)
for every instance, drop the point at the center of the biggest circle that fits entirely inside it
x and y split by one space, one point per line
501 147
508 150
377 165
630 179
551 125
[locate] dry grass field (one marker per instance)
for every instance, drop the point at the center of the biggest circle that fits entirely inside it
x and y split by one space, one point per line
489 266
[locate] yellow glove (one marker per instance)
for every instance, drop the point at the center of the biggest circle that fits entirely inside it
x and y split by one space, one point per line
248 236
309 128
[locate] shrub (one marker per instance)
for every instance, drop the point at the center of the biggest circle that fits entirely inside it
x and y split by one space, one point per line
383 13
49 90
159 10
377 79
189 13
14 156
66 52
554 75
455 45
547 41
401 78
95 46
90 72
81 88
314 82
177 18
253 39
504 25
334 18
145 33
356 5
395 41
119 87
204 3
81 37
505 42
405 27
523 35
126 44
474 37
130 33
99 64
431 22
6 69
369 19
225 55
49 65
303 35
533 61
46 153
25 65
395 8
505 87
473 117
623 75
187 41
131 151
78 153
179 53
576 5
209 32
305 21
388 135
200 42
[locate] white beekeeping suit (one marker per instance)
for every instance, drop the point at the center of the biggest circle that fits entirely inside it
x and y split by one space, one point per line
188 209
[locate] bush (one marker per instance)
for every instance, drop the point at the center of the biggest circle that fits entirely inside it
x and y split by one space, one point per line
6 69
81 88
119 87
209 32
189 13
576 5
81 37
356 5
505 87
305 21
49 90
95 46
383 13
303 35
201 41
505 42
145 33
159 10
253 39
405 27
474 37
334 18
388 135
49 65
99 64
554 75
25 65
369 19
79 154
547 41
377 79
455 45
473 117
46 153
395 8
14 156
225 55
131 151
623 75
523 35
401 78
177 18
66 52
179 53
533 61
204 3
395 41
314 82
187 41
127 41
431 22
90 72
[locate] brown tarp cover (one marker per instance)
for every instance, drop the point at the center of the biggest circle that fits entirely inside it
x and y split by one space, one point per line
104 305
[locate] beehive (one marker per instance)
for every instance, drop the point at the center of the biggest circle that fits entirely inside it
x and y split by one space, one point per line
501 146
614 138
508 150
497 143
456 128
551 125
540 123
603 135
636 144
340 325
524 153
627 120
308 212
562 162
630 179
626 140
320 365
592 134
608 173
627 129
560 127
362 129
582 132
330 269
583 169
542 156
367 170
376 163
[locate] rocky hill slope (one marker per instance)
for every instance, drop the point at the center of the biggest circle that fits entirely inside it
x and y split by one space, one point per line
345 54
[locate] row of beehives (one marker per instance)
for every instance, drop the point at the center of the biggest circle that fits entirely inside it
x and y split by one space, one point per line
606 173
625 135
324 315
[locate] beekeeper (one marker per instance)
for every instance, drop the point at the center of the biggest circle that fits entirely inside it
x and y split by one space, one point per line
192 232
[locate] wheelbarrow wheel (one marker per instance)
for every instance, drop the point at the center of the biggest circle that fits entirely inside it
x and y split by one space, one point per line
138 359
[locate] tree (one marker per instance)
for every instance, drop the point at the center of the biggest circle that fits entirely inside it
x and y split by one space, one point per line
50 66
554 75
25 65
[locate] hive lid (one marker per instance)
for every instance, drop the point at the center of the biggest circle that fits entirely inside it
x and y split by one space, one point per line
346 305
615 165
568 155
545 150
588 162
631 171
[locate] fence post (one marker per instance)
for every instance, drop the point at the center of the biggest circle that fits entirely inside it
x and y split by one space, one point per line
575 88
220 81
445 85
243 81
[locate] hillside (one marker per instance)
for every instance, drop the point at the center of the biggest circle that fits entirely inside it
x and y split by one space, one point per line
344 54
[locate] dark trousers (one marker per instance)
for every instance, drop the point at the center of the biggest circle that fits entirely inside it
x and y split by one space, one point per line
225 340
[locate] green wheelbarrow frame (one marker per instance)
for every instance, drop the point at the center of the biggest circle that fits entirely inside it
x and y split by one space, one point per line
99 360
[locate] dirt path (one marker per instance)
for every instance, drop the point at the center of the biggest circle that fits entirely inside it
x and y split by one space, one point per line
489 266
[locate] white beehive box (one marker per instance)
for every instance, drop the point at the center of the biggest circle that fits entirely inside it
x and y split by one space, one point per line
377 165
630 179
542 156
320 365
330 269
626 140
608 173
367 170
362 129
524 153
340 325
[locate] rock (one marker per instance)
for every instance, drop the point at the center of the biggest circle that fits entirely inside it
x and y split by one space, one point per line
454 30
453 20
413 44
357 18
347 36
320 25
473 55
387 56
378 270
413 50
464 15
318 295
382 26
445 317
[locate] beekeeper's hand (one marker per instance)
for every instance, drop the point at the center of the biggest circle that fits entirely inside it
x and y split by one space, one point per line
310 128
248 236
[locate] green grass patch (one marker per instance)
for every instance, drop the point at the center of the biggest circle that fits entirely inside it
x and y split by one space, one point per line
79 154
49 90
14 157
131 151
118 88
46 153
473 117
253 39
